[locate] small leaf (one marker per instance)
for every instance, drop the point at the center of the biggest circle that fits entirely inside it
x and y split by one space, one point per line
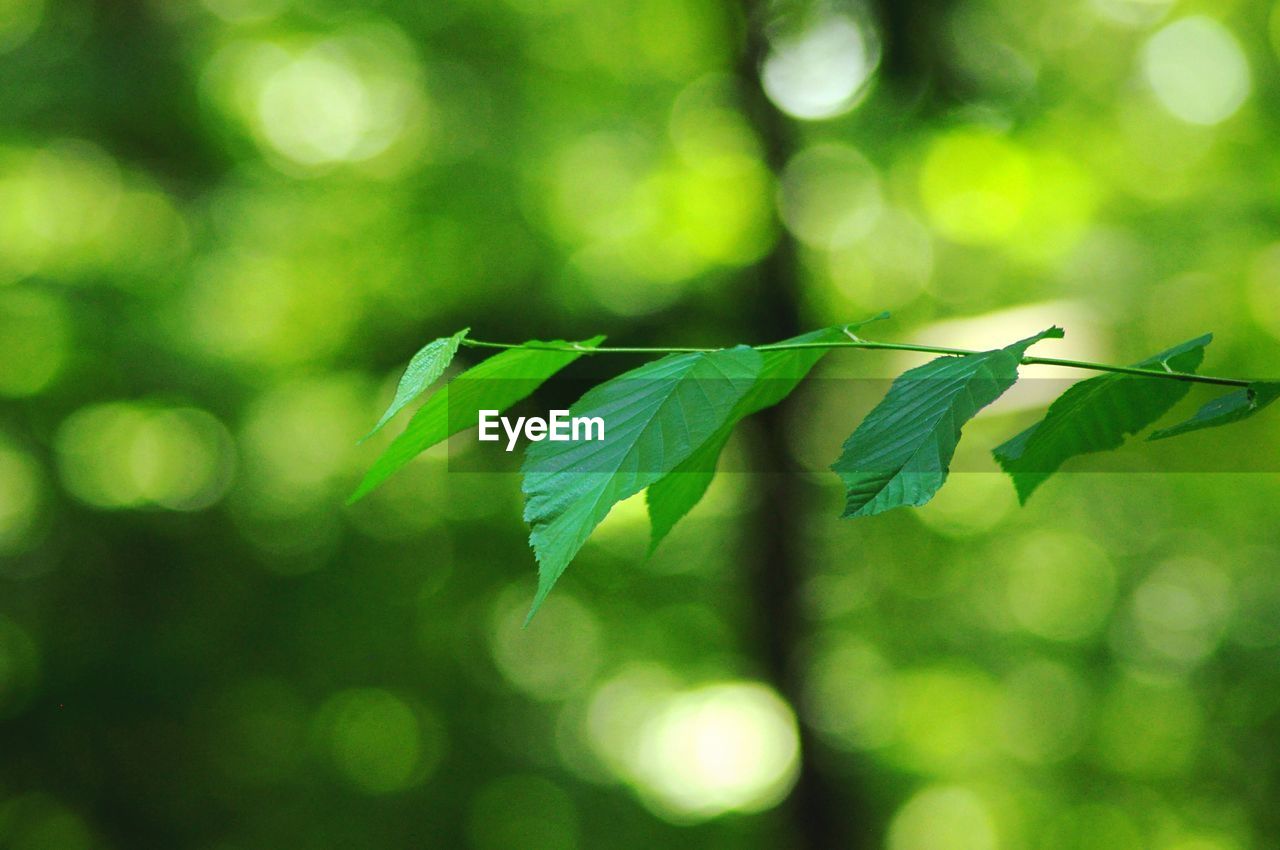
900 454
1232 407
493 384
427 365
672 497
1096 415
655 417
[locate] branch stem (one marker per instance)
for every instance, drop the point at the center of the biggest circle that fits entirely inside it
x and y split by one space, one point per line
882 346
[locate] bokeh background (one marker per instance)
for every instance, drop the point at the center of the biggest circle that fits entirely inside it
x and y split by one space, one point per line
224 224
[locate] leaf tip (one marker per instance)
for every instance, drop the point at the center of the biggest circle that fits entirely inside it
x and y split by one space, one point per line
363 489
538 599
1026 485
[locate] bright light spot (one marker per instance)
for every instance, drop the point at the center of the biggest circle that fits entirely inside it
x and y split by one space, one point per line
592 186
556 655
297 441
850 697
628 519
351 98
18 20
971 504
707 122
669 39
1197 70
981 188
944 818
975 186
1264 289
1039 384
378 742
1043 712
269 308
1063 199
57 207
674 38
150 235
643 228
67 211
888 267
35 336
1181 610
822 69
618 709
717 749
1058 585
523 811
123 455
830 196
946 719
695 754
20 498
1134 13
1159 158
315 110
717 208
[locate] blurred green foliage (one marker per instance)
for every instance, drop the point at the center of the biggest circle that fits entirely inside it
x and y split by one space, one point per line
224 223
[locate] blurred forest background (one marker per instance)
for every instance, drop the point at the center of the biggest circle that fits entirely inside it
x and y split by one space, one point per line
224 226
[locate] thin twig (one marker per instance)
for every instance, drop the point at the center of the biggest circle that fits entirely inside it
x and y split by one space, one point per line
1028 360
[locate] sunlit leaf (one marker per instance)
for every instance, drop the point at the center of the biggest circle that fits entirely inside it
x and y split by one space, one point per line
493 384
672 497
423 370
1096 415
1232 407
900 454
655 416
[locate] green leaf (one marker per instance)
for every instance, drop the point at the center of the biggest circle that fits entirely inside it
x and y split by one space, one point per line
655 417
900 454
427 365
493 384
671 497
1226 409
1096 415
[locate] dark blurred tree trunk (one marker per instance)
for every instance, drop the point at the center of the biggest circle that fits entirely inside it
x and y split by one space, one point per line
823 811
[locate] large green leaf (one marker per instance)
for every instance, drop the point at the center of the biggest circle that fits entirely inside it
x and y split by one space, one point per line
1232 407
493 384
423 370
671 497
900 454
655 417
1096 415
